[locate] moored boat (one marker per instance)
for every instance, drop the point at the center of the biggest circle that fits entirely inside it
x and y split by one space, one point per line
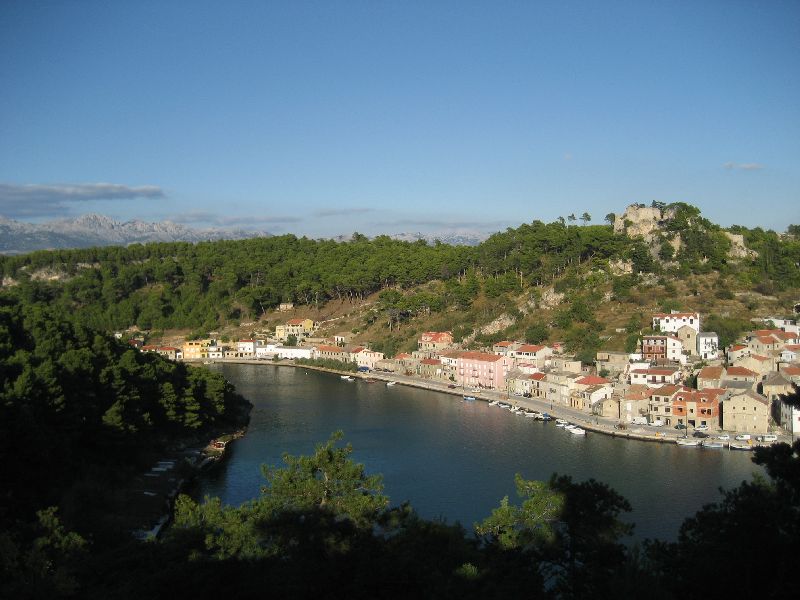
469 398
575 430
745 447
712 444
347 378
687 442
390 383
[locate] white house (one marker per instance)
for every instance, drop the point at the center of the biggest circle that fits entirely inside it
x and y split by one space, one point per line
364 357
246 348
656 376
670 323
708 345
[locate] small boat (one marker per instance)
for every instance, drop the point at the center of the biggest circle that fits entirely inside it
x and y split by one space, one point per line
513 409
544 417
531 414
469 398
687 442
561 422
390 383
494 402
712 444
745 447
575 430
347 378
503 405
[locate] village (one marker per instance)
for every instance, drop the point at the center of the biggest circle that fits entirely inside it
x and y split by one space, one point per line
679 378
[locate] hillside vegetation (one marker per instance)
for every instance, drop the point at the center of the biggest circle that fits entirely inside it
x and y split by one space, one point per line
537 281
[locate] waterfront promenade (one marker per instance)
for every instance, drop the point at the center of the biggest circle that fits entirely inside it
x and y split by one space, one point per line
589 422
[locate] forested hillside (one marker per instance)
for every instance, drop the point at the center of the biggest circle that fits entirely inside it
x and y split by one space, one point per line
205 285
80 412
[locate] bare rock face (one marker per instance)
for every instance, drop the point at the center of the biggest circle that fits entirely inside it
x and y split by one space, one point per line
621 267
639 221
551 298
500 323
738 249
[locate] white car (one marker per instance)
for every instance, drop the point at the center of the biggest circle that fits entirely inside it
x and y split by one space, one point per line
742 437
657 423
701 428
724 437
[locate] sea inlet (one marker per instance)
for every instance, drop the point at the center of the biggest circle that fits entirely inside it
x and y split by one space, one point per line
456 460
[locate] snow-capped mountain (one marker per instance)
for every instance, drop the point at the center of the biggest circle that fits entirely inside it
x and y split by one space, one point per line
99 230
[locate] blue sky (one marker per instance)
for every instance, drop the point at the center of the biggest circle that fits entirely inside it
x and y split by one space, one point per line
321 118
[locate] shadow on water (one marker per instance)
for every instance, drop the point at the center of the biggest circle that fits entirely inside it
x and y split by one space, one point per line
457 459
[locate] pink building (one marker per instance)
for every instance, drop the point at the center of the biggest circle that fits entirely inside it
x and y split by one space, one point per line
479 369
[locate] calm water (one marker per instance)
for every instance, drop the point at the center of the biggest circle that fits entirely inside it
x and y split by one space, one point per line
456 459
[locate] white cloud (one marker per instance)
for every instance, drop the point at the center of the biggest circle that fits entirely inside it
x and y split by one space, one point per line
39 200
743 166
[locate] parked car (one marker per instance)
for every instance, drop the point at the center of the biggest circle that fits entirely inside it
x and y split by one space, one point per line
657 423
742 437
451 386
724 437
527 394
767 437
680 426
701 428
699 434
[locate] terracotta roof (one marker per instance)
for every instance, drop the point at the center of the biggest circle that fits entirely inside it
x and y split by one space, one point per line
246 341
149 348
670 371
437 337
737 347
667 390
759 357
791 370
792 347
403 355
765 332
452 353
357 349
539 376
766 339
329 349
168 348
740 371
592 380
482 356
295 321
430 361
530 348
711 373
504 344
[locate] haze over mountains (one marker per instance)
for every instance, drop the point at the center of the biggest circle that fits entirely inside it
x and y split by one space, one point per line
98 230
17 237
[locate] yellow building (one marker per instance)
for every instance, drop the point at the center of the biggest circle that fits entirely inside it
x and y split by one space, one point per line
196 349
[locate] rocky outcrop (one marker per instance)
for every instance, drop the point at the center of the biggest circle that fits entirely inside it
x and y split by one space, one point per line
738 250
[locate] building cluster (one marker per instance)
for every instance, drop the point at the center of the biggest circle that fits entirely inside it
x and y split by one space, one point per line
738 389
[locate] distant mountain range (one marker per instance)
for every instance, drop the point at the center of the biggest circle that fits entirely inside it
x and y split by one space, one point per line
453 237
98 230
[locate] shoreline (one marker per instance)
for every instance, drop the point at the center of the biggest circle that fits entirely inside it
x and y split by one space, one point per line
591 423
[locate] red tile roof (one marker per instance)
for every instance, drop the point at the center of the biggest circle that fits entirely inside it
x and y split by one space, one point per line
791 370
737 347
711 373
592 380
504 344
530 348
481 356
430 361
295 321
403 355
741 371
539 376
437 337
329 349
